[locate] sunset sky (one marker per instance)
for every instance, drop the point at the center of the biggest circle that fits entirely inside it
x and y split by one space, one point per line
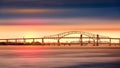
36 18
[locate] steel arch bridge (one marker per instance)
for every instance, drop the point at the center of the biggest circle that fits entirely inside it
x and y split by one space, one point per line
83 38
88 34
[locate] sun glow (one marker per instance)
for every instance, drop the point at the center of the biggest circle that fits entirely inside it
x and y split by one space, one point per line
29 35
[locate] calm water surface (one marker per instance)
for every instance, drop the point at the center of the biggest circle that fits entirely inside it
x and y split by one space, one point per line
59 58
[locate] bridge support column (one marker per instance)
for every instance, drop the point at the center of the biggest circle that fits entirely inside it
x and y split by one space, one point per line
16 41
33 41
97 40
119 42
81 43
42 40
110 42
58 42
24 41
7 41
93 42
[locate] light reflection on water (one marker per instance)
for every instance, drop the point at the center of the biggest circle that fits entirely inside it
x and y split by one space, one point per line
60 58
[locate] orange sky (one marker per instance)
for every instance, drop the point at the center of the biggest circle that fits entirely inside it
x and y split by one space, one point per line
20 31
79 27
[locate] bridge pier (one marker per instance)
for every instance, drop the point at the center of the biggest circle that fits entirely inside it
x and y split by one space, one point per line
24 41
81 43
33 41
7 41
93 42
110 42
97 40
119 42
58 42
16 41
42 41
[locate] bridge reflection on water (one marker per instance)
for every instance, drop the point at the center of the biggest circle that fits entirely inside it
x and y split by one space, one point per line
83 38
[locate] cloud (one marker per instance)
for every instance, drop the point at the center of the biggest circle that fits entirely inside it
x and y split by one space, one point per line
59 9
47 21
101 13
59 3
25 11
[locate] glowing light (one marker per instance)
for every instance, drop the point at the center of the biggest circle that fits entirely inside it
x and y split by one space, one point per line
30 35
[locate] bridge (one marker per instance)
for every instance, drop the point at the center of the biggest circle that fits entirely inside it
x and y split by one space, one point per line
65 38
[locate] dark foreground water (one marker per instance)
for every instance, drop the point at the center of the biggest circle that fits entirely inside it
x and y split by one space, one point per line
59 58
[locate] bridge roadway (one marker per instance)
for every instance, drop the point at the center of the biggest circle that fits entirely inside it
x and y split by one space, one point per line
96 41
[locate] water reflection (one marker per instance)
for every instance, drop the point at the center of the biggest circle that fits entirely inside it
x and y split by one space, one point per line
59 58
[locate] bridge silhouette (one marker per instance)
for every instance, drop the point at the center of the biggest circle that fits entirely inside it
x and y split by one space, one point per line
84 38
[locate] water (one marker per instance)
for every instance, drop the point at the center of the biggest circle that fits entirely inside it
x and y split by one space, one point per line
48 57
